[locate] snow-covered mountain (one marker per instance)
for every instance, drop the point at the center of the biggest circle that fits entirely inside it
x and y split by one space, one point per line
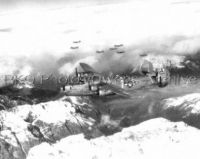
25 126
60 129
156 138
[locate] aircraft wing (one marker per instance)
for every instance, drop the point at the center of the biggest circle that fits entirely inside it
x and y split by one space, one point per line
87 68
78 93
116 89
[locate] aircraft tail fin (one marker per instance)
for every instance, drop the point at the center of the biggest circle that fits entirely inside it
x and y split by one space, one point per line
87 68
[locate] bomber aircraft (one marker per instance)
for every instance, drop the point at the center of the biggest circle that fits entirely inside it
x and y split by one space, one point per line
113 48
86 83
100 51
118 45
74 47
121 52
92 83
76 42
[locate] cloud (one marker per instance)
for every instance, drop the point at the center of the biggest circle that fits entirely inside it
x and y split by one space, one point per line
77 3
40 38
5 29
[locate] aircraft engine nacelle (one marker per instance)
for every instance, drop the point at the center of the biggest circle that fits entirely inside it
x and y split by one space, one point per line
94 88
96 79
105 92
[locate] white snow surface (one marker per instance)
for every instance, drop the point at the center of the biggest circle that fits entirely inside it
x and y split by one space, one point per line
49 112
49 117
189 103
155 138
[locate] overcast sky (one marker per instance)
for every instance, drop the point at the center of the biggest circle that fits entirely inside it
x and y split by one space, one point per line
18 3
30 33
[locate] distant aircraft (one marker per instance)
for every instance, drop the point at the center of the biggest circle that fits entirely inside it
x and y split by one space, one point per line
120 52
113 48
143 54
118 45
76 42
74 47
100 51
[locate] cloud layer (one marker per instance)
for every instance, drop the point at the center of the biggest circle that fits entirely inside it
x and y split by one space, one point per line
39 39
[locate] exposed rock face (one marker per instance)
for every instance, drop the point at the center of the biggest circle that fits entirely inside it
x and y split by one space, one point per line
155 138
185 108
25 126
43 131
